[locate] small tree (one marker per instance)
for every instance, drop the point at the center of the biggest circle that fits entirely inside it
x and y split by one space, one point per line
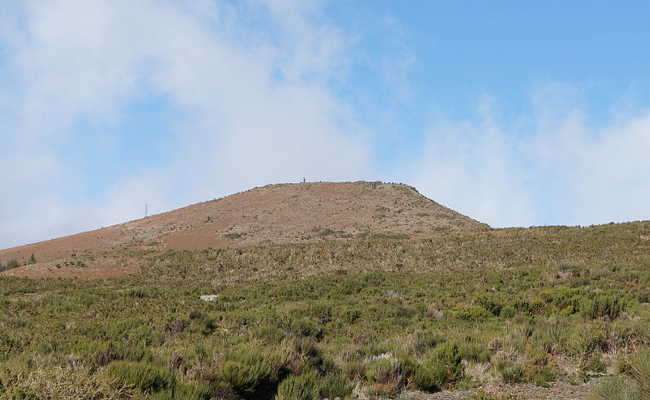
32 259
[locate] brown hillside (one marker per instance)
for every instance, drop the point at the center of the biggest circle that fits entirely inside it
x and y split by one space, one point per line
284 213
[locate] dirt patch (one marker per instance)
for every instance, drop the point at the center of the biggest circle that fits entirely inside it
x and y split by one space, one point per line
96 271
557 391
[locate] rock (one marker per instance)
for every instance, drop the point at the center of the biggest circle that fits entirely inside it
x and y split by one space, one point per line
210 297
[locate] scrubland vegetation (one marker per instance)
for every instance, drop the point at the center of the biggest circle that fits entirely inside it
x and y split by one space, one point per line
11 264
365 318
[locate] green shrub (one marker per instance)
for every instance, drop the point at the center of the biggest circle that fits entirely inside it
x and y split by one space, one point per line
305 327
251 372
245 378
333 386
423 341
541 375
589 339
475 352
491 305
145 377
384 371
527 307
591 305
307 357
511 372
303 387
120 351
269 334
184 392
593 363
604 305
354 370
508 311
617 388
472 314
443 368
639 371
11 264
426 379
311 386
514 373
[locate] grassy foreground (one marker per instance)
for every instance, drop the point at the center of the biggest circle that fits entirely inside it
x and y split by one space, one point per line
341 319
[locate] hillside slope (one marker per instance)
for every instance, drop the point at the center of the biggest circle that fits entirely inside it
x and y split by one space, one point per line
283 213
533 313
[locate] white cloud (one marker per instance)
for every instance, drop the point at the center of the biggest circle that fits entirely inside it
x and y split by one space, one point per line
88 59
253 83
472 168
551 169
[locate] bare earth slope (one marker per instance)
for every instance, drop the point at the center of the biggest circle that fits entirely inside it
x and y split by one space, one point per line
284 213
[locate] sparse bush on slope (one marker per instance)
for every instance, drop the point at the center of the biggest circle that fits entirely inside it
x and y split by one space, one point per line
633 384
383 316
145 377
11 264
311 386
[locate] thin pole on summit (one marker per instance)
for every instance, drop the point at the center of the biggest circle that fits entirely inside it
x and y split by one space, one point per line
146 210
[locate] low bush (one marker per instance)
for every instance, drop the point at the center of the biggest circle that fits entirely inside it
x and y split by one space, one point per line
11 264
313 387
474 352
604 305
333 386
491 305
593 363
472 314
386 371
639 371
427 379
303 387
539 375
144 377
442 369
292 310
617 388
511 372
424 341
252 372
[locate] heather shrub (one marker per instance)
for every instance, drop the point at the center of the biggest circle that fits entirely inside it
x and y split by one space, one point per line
617 388
511 372
303 387
442 368
312 386
251 371
333 386
145 377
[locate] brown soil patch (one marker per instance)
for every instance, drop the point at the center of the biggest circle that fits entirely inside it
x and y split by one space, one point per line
556 391
286 213
96 271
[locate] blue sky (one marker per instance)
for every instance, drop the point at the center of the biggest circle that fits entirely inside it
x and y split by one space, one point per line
514 113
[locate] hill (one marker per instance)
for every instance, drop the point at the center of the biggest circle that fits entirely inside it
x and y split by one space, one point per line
497 314
274 214
325 290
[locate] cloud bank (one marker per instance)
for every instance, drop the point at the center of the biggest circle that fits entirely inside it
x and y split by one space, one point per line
548 168
254 87
256 105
